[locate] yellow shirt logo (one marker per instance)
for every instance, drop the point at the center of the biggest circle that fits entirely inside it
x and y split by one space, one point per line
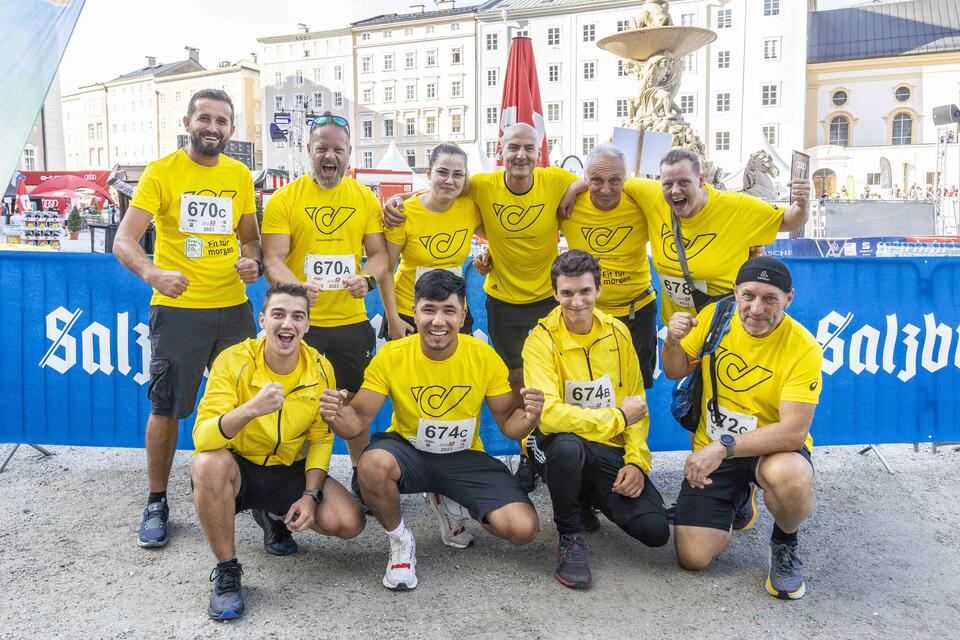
226 193
735 374
327 219
603 239
515 218
692 247
443 245
436 400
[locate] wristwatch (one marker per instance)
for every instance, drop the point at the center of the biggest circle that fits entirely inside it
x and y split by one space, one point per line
730 444
371 282
316 494
259 267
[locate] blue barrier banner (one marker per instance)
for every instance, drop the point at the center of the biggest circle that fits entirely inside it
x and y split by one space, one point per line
75 351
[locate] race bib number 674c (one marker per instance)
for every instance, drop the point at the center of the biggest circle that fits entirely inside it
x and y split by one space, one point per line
205 214
445 436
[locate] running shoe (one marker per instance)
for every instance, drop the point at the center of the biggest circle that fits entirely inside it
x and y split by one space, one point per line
277 539
785 579
153 525
746 514
453 531
402 566
226 601
572 568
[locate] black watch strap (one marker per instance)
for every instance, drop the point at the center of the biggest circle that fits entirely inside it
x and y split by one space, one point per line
259 267
316 494
371 282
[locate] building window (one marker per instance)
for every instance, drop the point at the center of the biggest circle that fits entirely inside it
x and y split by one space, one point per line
724 18
623 25
29 159
410 92
317 75
277 103
769 95
492 114
770 134
589 109
430 124
840 131
455 26
521 32
686 103
364 37
431 90
552 143
589 70
431 28
493 42
388 93
298 76
723 102
408 31
338 72
587 143
367 95
722 141
387 34
902 94
553 37
456 89
431 57
553 73
589 32
411 126
689 63
411 158
318 100
771 48
621 69
902 129
493 77
388 62
490 148
873 179
771 7
366 64
338 99
456 55
622 107
277 78
687 19
366 129
553 112
723 60
388 128
839 98
456 123
410 60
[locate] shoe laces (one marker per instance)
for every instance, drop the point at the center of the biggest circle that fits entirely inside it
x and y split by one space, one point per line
785 558
573 548
226 578
401 549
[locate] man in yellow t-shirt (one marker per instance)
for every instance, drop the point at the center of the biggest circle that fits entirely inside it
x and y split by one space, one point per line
612 229
316 230
200 201
592 438
438 382
755 428
718 229
259 409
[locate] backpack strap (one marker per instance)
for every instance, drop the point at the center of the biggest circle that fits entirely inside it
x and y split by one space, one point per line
719 326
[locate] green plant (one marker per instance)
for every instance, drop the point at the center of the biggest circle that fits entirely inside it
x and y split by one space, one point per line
74 221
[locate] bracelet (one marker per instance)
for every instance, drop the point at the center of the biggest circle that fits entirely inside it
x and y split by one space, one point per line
624 414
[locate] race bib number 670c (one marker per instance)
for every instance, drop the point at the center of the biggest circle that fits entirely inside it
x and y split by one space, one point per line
205 214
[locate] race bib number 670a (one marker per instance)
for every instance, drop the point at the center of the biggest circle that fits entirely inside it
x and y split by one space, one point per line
329 273
206 214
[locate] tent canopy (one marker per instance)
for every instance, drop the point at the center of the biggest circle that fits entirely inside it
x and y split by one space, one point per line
70 183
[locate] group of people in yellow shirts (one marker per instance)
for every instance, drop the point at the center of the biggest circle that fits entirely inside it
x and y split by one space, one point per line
574 345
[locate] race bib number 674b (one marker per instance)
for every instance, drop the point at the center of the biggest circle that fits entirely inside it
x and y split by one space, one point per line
205 214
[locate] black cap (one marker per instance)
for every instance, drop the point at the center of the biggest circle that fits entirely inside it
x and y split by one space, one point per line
766 270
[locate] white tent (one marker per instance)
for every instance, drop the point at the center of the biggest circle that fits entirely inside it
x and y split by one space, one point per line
393 160
477 160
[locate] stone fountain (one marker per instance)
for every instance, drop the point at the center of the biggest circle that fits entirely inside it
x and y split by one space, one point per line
654 52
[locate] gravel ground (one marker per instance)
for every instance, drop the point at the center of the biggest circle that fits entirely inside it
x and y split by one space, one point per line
882 557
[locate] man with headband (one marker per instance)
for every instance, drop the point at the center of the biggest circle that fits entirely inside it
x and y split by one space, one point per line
754 424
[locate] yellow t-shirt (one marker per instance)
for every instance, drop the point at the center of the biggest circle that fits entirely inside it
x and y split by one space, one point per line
618 240
755 374
288 380
206 259
717 240
522 232
331 225
431 240
425 392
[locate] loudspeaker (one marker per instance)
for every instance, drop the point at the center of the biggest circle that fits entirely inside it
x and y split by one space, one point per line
947 114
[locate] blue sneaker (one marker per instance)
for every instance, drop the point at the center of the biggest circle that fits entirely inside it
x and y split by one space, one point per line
786 572
277 539
226 601
153 526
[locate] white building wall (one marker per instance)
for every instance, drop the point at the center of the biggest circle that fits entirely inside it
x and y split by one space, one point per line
85 132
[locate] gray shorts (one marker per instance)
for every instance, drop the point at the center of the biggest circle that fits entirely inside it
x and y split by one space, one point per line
184 342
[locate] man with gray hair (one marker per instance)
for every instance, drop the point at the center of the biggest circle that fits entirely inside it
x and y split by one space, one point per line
613 230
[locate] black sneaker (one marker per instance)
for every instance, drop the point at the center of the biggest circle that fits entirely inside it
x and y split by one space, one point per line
226 601
746 514
525 475
572 569
153 525
277 539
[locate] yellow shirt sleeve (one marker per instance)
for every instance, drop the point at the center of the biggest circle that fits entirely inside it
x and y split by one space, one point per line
806 379
276 215
220 398
760 220
148 195
539 372
376 376
695 339
319 432
374 212
497 380
396 235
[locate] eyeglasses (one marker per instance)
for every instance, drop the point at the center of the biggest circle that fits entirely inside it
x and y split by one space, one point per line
339 121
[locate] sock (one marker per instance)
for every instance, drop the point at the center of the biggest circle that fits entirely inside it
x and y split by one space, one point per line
780 537
157 496
228 563
399 531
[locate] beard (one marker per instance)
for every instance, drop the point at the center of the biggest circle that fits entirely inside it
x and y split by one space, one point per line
328 182
204 148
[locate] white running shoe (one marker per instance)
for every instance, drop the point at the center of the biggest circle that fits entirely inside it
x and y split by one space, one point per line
402 566
451 517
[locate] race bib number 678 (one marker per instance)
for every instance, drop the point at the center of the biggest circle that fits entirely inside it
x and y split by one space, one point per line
205 214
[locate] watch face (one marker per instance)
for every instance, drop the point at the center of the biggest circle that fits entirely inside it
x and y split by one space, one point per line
726 440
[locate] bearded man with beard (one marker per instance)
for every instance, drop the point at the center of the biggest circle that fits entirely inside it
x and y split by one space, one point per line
201 202
316 230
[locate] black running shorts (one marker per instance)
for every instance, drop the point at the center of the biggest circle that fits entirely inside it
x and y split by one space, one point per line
509 325
272 488
349 348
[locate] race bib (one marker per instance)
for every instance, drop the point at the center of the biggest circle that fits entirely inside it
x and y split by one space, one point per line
445 436
457 271
730 422
679 291
590 395
206 214
328 272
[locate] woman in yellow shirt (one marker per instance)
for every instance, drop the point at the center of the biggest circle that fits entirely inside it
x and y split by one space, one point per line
435 235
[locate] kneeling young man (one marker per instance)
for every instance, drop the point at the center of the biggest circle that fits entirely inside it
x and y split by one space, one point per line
768 380
593 430
260 405
438 381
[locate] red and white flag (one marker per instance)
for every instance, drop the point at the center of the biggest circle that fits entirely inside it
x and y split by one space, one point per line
521 95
